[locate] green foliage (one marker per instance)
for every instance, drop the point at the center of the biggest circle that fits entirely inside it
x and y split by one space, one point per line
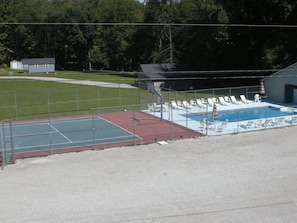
82 44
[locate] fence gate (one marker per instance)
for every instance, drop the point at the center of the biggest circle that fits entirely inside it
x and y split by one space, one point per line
6 143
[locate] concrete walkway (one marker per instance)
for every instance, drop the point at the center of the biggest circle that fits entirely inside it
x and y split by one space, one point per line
71 81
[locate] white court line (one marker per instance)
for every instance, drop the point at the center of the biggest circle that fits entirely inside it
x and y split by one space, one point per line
60 133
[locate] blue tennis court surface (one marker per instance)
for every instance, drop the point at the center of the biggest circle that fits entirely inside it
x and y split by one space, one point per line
66 133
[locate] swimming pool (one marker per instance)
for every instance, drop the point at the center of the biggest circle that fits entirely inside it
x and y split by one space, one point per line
242 114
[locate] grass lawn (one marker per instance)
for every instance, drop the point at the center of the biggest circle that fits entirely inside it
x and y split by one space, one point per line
20 97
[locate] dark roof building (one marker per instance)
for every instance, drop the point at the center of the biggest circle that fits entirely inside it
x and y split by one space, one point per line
165 75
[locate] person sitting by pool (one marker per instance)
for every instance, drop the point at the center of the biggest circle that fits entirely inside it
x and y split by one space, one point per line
257 98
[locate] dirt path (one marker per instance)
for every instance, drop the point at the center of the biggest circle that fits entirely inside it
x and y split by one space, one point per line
71 81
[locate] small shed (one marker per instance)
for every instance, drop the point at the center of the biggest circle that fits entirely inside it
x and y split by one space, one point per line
282 86
16 65
39 65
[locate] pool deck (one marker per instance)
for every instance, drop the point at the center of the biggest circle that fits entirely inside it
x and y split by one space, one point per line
178 117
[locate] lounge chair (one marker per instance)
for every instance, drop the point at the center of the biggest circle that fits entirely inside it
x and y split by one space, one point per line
193 103
258 123
204 101
200 104
247 125
221 126
210 102
150 107
187 105
235 101
203 125
159 107
179 103
291 120
278 121
175 106
215 100
244 100
227 99
223 102
267 122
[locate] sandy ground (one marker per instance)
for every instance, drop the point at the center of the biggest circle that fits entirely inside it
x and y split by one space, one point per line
249 177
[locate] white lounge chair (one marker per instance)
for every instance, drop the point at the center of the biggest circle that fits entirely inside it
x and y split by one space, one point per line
267 122
244 100
227 99
193 103
278 121
154 107
159 107
175 106
203 125
150 107
234 100
215 100
258 123
247 125
179 103
221 126
200 104
291 120
204 101
223 102
187 105
210 102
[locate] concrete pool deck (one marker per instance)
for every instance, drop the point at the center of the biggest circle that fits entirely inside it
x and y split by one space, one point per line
179 117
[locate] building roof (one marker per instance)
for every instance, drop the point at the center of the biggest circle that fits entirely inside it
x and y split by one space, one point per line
158 68
290 69
31 61
159 71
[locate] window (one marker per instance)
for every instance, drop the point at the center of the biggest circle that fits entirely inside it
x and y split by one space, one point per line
36 66
46 65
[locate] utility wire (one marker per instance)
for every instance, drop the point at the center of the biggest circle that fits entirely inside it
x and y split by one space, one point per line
155 24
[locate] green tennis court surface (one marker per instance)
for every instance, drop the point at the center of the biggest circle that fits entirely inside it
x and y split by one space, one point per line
66 133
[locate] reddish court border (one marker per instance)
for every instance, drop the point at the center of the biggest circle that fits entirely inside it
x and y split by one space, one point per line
148 127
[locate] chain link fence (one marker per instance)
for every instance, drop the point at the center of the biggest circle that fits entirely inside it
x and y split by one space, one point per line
89 103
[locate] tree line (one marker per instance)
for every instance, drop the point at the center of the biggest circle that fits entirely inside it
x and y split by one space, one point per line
121 34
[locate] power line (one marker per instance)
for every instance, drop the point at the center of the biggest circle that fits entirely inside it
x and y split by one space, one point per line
155 24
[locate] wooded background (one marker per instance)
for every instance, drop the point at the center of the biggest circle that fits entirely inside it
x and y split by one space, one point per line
121 34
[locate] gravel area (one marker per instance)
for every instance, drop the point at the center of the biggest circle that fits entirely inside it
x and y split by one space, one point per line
248 177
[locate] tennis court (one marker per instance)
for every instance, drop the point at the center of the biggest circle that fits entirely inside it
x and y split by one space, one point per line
64 133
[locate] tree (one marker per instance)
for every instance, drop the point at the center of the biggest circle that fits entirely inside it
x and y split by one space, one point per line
202 47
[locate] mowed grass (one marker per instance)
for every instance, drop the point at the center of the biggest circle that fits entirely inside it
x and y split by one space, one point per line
28 99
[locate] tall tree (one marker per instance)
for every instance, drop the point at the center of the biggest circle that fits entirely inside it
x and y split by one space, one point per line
202 47
112 44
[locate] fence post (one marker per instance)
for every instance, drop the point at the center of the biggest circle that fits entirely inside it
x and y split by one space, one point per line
16 104
50 132
77 100
48 102
93 129
11 141
171 118
3 147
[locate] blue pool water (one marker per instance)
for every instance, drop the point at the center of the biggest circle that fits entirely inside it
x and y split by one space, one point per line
242 114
